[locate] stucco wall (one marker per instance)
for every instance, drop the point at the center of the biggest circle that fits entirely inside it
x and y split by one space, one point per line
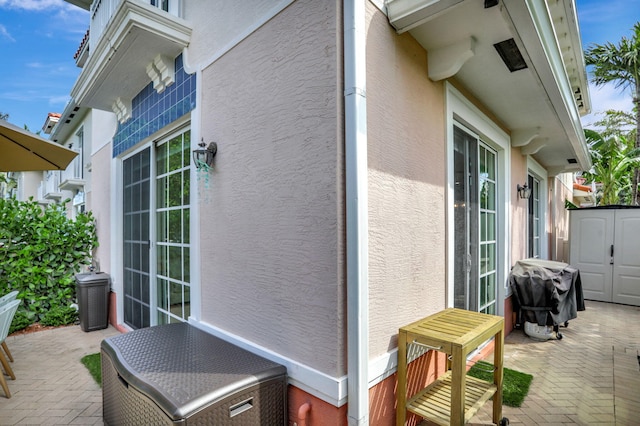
560 216
406 154
519 207
232 23
99 202
271 214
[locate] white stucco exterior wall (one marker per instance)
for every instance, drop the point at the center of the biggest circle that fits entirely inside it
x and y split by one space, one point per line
406 184
272 215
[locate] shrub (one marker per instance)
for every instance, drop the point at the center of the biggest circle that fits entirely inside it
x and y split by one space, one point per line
40 251
60 315
22 319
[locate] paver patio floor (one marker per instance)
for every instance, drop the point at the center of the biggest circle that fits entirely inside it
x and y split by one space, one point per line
590 377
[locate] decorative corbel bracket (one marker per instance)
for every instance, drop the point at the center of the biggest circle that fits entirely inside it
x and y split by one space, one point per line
161 72
522 137
122 109
534 146
446 61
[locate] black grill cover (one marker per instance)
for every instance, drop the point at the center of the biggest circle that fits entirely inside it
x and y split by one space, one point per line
546 292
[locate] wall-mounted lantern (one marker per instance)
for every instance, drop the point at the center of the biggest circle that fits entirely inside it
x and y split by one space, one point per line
203 157
524 191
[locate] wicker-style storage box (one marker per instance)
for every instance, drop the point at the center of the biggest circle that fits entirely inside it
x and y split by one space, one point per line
177 374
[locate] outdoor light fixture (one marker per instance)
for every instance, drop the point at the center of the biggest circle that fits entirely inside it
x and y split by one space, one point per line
524 191
203 157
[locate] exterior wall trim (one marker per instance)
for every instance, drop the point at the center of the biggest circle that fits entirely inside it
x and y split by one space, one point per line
329 389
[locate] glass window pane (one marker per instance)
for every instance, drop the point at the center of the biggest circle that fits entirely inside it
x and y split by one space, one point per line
185 226
175 153
161 225
491 226
175 263
161 192
175 226
187 302
161 159
491 257
162 260
175 299
163 294
175 190
491 165
186 264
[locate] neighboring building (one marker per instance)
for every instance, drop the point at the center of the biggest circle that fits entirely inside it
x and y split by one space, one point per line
368 161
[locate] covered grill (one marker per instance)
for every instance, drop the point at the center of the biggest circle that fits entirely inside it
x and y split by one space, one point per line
546 294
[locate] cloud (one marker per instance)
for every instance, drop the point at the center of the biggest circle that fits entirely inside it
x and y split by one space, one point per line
604 98
34 5
4 34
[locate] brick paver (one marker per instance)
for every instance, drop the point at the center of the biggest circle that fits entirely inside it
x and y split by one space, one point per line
52 387
591 377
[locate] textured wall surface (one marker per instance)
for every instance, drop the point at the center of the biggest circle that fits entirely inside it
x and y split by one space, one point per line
99 201
407 161
271 210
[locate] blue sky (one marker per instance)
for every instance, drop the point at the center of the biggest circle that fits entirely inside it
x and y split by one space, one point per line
38 39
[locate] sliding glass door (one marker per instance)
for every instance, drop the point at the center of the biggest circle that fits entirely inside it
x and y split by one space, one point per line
156 243
475 221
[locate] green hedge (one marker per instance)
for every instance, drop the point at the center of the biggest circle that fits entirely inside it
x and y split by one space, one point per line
41 250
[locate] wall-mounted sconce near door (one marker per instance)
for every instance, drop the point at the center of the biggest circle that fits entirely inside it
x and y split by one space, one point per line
203 157
524 191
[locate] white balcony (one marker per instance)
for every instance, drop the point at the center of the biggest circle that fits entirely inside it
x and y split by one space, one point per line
131 43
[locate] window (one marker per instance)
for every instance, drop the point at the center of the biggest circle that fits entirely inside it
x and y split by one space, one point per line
156 259
477 213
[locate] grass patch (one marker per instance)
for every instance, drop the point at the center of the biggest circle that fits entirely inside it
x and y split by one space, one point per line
92 362
515 385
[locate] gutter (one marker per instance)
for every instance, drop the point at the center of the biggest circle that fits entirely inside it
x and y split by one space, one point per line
357 217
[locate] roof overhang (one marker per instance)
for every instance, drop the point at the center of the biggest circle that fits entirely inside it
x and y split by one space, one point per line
138 45
540 104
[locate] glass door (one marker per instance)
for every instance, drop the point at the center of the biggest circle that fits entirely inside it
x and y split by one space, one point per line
172 224
137 243
535 228
475 221
156 214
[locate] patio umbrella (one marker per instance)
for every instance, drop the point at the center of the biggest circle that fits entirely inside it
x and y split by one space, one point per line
22 151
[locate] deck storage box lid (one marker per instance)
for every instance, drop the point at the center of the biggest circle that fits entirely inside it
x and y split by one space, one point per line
191 376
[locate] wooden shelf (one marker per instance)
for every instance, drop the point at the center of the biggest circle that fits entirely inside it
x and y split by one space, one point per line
434 402
453 398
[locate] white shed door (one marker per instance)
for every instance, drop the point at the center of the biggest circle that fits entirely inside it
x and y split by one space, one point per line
591 241
626 265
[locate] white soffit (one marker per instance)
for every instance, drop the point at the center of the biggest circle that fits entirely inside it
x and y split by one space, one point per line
539 97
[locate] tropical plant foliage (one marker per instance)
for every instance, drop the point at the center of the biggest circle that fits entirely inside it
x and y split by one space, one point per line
41 249
614 158
620 64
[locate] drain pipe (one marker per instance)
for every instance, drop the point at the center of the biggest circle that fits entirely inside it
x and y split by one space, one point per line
357 218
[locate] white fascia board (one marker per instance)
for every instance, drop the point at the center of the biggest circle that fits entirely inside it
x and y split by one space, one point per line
405 15
532 24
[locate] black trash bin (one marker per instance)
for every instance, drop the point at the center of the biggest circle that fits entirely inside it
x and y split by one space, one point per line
92 290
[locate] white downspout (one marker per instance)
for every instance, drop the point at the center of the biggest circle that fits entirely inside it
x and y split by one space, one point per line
357 218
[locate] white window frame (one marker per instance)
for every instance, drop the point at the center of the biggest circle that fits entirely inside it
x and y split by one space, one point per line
536 170
460 110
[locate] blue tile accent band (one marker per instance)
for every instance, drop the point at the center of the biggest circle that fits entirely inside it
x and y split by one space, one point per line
151 111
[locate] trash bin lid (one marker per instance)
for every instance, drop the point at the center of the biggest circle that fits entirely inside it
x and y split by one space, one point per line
88 278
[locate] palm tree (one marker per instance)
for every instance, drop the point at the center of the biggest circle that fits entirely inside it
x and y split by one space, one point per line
620 64
613 158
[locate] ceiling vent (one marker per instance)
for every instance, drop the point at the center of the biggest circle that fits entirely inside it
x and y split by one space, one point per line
510 54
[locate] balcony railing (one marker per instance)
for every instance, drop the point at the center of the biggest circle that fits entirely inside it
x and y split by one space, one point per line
102 11
52 186
73 177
